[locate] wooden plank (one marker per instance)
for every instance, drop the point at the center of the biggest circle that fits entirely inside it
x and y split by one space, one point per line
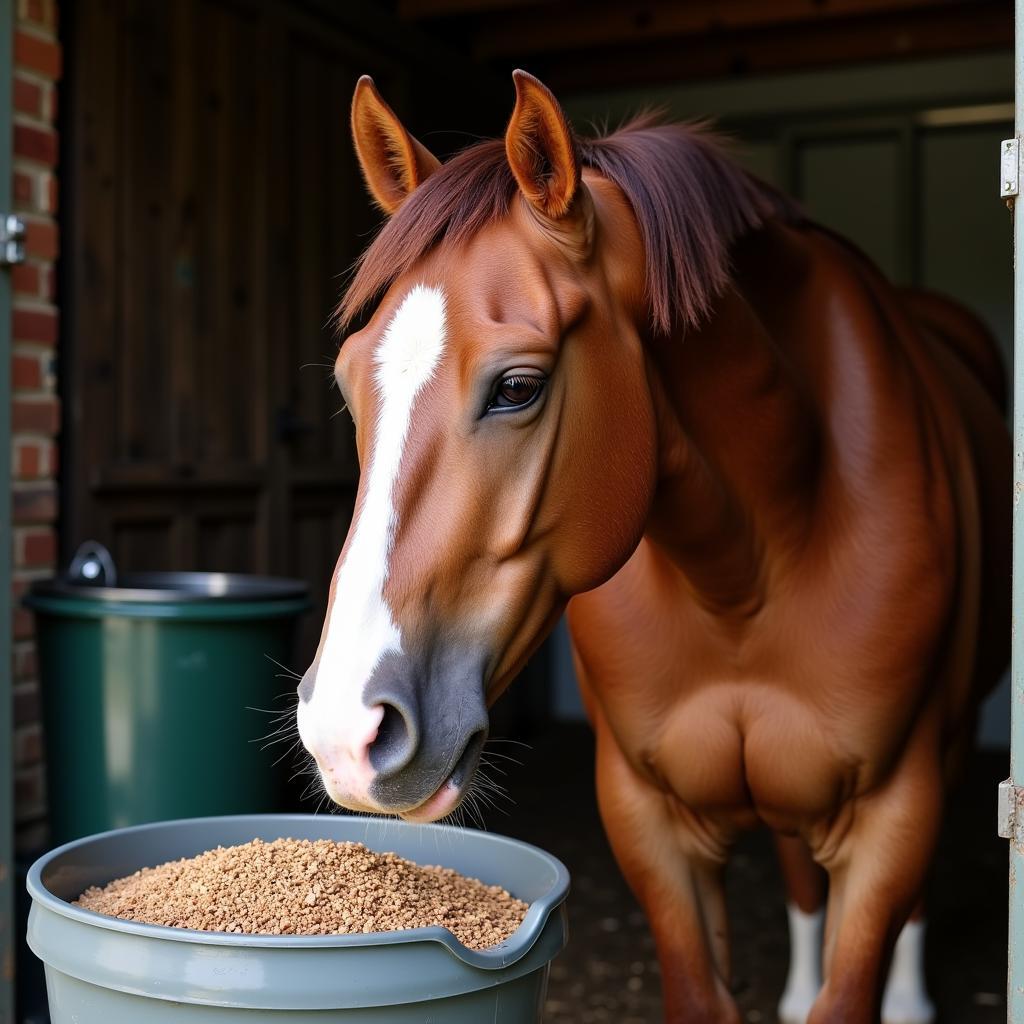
320 519
186 214
142 359
227 534
576 26
418 10
275 302
326 219
370 28
140 539
330 217
141 476
231 340
91 218
984 26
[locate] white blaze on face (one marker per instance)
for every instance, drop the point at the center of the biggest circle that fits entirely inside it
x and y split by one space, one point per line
360 628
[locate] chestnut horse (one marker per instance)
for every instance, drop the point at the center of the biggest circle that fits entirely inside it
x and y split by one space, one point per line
622 374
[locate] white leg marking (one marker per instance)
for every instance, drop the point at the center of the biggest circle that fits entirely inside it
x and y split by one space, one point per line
361 627
803 983
906 997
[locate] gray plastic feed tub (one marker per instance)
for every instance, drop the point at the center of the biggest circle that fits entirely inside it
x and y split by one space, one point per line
101 970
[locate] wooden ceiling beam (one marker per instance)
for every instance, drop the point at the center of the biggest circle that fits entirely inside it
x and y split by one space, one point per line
983 25
577 26
424 10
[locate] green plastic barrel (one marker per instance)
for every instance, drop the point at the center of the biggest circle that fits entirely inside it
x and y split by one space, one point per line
150 695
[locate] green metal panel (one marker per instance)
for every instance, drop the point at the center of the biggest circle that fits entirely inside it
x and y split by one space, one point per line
6 767
1015 983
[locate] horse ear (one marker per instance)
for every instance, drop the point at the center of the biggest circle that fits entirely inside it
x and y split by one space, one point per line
541 148
392 161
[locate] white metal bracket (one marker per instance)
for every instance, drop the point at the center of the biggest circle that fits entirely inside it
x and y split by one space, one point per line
1009 168
12 240
1010 811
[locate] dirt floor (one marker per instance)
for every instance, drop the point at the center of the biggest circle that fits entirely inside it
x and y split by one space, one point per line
609 972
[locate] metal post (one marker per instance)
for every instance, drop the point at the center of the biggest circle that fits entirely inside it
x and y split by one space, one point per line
1015 983
7 923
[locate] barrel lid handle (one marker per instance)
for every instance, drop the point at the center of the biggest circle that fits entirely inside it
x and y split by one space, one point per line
93 565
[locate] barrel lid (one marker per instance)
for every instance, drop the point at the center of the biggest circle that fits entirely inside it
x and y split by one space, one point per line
173 587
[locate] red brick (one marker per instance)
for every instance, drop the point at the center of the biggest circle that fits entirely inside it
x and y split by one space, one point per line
52 193
42 55
28 746
22 188
28 97
36 547
42 12
41 239
39 325
26 697
26 372
26 705
27 459
25 279
49 289
28 791
23 624
34 143
36 504
34 459
35 415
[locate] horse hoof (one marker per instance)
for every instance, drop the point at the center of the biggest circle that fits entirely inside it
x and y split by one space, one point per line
907 1008
795 1006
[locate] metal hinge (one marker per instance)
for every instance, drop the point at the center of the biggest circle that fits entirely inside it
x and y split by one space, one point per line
12 240
1009 168
1009 818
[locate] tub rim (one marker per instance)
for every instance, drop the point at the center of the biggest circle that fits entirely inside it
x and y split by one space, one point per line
503 955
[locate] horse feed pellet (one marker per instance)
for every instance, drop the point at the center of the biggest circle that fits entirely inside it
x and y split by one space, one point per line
303 887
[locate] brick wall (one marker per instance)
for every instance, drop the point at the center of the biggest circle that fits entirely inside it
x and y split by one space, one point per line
35 414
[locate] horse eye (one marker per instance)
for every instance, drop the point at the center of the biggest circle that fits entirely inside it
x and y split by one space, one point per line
516 391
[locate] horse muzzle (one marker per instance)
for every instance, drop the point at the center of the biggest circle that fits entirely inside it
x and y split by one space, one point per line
408 744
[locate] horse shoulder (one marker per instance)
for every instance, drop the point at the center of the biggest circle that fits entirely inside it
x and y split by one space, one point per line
910 487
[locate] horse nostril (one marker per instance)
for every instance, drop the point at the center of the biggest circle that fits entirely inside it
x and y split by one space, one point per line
395 744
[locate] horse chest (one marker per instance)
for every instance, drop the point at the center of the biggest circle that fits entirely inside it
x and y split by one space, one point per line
739 753
736 747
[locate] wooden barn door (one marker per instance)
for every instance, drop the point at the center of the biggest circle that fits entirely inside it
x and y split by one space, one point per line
213 204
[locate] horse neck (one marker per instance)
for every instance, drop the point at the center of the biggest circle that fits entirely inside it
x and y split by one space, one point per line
737 444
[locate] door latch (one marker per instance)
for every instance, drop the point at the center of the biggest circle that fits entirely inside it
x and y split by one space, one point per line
1007 814
12 240
1009 168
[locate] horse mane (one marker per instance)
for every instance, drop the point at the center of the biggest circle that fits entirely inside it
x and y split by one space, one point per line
690 199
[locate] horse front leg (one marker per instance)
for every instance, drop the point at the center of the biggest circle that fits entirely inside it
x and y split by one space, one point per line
806 884
678 885
906 999
877 873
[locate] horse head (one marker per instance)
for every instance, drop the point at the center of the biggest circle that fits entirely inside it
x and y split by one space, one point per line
506 436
